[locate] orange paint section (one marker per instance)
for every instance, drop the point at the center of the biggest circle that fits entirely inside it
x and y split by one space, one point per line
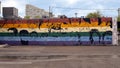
57 24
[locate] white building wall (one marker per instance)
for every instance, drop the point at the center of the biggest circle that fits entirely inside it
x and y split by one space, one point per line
33 11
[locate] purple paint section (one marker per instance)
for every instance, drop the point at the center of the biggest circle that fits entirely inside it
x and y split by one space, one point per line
56 43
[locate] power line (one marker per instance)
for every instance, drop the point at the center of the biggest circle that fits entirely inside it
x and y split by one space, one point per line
81 8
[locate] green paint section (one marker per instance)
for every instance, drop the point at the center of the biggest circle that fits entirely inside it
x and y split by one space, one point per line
53 34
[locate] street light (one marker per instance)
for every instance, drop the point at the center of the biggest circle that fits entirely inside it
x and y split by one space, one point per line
76 15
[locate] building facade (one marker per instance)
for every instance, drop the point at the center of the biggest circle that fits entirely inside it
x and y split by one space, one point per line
10 12
34 12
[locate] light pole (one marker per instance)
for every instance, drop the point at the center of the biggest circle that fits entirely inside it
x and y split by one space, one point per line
76 15
0 7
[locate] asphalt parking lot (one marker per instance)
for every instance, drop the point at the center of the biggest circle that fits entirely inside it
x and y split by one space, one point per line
60 57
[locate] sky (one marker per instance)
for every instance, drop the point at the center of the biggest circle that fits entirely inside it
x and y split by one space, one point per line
67 7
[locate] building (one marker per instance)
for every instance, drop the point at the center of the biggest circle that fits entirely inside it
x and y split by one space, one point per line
10 13
62 16
34 12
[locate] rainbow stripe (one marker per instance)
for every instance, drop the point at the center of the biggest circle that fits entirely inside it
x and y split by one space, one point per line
68 31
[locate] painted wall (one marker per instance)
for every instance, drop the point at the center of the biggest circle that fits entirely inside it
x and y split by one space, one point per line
66 31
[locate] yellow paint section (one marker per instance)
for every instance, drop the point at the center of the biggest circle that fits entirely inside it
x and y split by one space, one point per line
69 29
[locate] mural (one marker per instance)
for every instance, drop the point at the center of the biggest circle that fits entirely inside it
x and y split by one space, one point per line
56 31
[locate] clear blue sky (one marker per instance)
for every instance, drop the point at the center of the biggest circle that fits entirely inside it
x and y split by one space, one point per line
82 4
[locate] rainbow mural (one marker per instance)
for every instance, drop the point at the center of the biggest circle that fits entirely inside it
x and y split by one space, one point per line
56 31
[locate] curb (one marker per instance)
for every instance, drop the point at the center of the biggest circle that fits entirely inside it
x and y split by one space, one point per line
4 45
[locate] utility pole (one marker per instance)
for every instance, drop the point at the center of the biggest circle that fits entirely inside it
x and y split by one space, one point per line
0 7
118 12
49 11
0 10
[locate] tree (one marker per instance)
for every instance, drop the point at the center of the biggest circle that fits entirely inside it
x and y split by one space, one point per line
37 17
118 19
94 15
27 17
118 23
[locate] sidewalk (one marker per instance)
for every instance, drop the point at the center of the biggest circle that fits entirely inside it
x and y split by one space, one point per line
59 50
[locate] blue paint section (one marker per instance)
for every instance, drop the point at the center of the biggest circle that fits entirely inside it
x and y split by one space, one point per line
83 38
57 43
